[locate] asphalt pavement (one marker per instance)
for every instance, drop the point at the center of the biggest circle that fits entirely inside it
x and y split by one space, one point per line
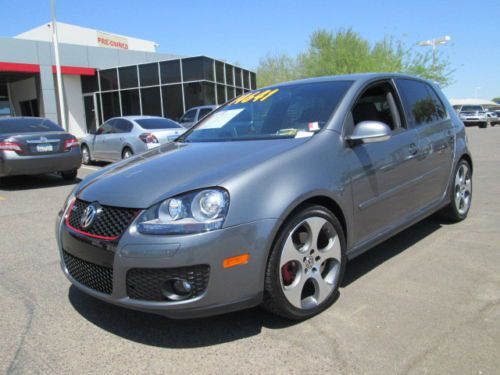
426 301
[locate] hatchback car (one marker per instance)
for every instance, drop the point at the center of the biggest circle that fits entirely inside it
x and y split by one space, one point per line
33 145
195 114
121 137
267 198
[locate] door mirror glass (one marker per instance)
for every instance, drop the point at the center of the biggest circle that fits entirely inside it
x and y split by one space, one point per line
369 132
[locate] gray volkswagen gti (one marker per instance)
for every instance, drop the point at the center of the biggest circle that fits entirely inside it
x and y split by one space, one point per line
265 200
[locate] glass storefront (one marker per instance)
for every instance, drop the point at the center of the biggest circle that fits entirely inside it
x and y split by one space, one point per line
165 88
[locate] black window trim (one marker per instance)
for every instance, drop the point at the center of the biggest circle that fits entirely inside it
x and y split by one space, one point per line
428 87
397 98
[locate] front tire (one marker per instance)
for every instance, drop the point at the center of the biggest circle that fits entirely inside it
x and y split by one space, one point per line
483 125
86 155
127 153
461 194
306 265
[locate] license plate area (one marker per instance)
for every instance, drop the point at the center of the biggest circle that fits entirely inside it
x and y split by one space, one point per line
44 148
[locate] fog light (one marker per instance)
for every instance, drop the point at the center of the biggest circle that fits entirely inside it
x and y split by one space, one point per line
182 287
177 289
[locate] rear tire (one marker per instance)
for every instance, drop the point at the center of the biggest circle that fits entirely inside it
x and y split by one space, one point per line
69 175
127 153
460 194
306 265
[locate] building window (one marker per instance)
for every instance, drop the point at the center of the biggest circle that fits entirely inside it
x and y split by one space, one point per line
229 75
197 68
221 94
198 93
239 91
89 84
148 74
230 93
151 102
237 77
219 72
128 77
109 79
110 105
246 80
172 101
253 81
130 102
170 71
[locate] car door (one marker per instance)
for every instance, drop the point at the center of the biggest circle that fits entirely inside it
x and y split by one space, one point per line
384 175
433 125
99 147
117 138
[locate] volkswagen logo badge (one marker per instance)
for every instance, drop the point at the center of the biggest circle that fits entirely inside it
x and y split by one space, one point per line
44 139
89 215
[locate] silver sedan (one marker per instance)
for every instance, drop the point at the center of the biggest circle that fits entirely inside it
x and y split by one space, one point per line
121 137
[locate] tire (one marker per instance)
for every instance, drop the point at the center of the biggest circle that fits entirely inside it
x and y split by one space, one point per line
127 152
302 277
69 175
86 159
460 194
483 125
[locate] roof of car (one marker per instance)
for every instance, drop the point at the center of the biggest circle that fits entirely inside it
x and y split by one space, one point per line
348 77
140 117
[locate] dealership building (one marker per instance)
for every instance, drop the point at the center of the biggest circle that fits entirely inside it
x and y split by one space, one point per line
106 75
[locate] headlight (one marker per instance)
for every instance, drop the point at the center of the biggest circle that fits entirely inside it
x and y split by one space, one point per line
69 199
194 212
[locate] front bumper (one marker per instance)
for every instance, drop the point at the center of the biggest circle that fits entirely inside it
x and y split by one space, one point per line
228 289
13 164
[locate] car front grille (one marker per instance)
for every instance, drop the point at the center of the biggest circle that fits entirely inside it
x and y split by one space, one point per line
146 283
91 275
110 224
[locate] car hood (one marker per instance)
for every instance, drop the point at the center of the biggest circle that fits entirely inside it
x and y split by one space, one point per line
175 168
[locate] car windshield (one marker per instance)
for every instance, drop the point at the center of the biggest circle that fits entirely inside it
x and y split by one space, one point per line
157 123
471 108
297 110
28 125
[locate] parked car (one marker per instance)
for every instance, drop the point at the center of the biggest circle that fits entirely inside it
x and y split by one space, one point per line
266 199
478 115
33 145
121 137
195 114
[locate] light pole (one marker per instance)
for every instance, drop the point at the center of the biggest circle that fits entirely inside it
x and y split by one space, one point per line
62 111
476 92
434 43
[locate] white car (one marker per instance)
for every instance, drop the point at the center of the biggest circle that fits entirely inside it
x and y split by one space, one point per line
121 137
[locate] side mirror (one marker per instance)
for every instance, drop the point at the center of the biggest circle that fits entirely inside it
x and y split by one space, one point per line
369 132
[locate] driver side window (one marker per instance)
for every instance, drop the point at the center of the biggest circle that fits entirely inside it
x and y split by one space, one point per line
378 103
106 128
189 116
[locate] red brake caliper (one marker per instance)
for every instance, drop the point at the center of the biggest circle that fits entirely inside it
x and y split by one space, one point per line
288 272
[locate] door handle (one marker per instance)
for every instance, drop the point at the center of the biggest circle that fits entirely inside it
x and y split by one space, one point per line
413 149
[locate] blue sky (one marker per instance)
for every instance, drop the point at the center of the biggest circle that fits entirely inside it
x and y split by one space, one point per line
244 32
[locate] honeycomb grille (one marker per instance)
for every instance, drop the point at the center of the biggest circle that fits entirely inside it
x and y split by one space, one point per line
146 283
111 223
91 275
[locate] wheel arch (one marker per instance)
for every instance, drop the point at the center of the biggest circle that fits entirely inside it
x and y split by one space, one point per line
321 200
468 159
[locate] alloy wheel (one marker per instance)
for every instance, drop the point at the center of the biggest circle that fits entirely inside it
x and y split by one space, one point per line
463 189
310 263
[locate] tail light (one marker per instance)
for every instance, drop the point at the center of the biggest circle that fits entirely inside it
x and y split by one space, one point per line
10 146
148 138
70 143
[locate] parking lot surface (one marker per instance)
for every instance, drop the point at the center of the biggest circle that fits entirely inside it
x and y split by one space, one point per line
426 301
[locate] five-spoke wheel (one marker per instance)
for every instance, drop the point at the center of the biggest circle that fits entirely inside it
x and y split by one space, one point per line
306 266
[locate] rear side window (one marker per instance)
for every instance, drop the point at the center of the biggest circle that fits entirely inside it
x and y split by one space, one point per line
189 116
122 126
421 104
157 123
204 112
28 125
